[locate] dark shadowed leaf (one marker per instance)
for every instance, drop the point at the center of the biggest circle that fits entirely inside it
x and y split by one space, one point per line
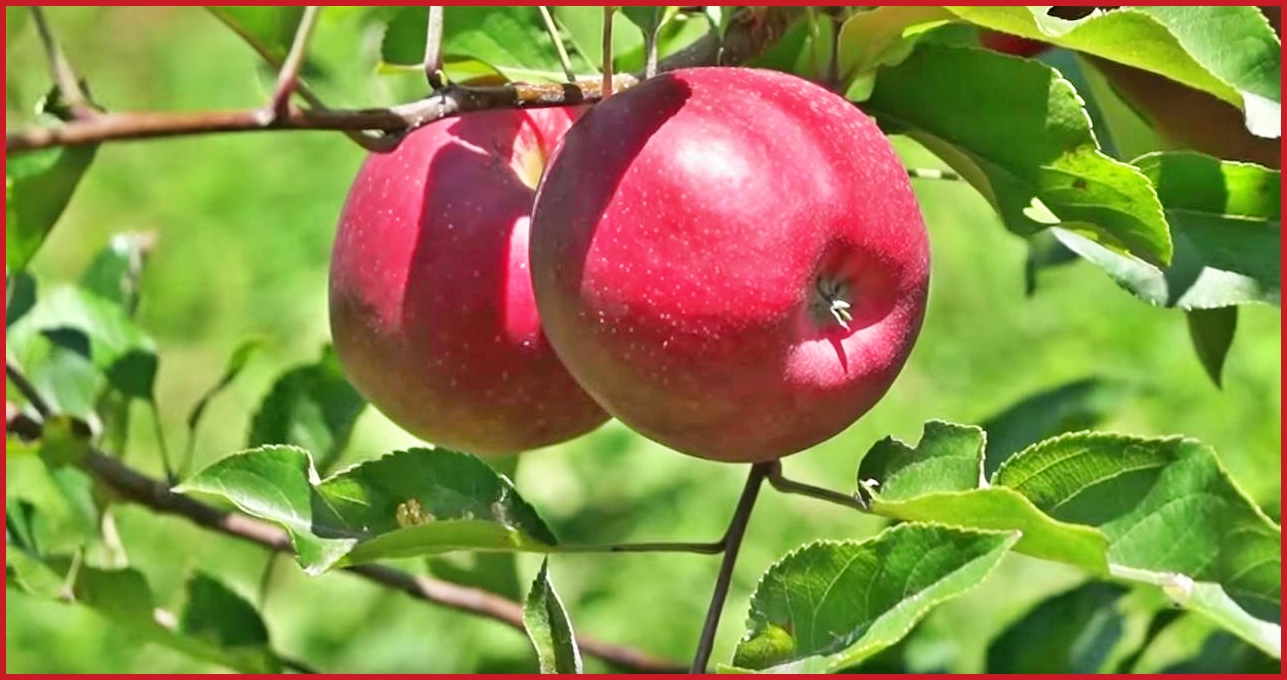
1211 331
241 355
968 106
124 599
1230 52
1089 629
1225 221
313 407
1078 405
511 40
404 504
831 604
549 628
20 296
38 186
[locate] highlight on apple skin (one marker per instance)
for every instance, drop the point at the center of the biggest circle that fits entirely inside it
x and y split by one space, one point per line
431 303
730 260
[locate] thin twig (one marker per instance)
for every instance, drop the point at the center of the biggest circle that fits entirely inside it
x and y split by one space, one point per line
553 30
608 11
136 487
777 481
650 43
433 47
64 77
161 445
288 75
713 548
27 390
449 101
732 544
747 36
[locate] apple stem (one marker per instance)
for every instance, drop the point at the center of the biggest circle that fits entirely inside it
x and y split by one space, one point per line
553 30
608 10
732 544
288 75
433 47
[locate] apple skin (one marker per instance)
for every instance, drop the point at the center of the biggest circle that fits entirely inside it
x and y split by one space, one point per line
431 304
679 241
1014 45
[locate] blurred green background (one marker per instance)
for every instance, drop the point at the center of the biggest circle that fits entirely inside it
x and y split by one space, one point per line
245 224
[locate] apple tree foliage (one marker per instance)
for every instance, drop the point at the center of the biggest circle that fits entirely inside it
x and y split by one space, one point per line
1163 534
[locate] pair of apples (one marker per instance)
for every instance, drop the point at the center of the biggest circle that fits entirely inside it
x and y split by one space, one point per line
730 261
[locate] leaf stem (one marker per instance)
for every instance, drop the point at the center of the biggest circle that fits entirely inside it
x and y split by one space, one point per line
650 43
27 390
288 75
608 11
433 48
732 544
856 501
553 30
713 548
61 70
160 443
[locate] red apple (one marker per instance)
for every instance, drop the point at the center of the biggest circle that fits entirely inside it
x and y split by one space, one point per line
430 296
731 261
1006 43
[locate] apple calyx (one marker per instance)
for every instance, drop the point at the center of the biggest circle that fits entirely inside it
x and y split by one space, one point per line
831 302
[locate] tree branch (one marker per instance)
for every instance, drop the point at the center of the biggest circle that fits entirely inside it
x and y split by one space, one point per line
732 544
449 101
26 389
750 32
138 488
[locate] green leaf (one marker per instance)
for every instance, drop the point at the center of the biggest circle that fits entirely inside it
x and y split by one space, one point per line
1089 629
1171 513
949 457
241 356
124 599
20 296
881 36
831 604
63 440
1077 405
805 49
1166 505
1225 222
939 480
549 628
1212 333
969 106
313 407
1230 52
38 186
216 615
115 272
510 40
1044 251
404 504
584 28
1213 602
269 30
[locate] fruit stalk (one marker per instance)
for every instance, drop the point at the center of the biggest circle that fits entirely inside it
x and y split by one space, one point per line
732 545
